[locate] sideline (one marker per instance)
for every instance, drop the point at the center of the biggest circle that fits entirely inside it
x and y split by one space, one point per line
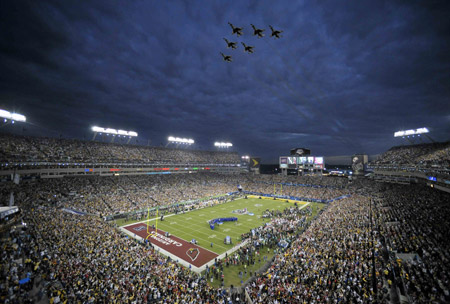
172 214
179 259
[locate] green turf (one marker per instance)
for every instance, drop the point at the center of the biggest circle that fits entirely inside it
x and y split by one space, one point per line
231 273
193 224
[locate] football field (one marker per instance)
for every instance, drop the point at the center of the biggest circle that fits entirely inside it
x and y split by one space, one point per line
194 225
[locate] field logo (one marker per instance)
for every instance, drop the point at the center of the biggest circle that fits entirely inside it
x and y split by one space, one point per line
139 228
193 253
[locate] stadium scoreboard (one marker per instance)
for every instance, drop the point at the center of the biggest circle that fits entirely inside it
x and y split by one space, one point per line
302 162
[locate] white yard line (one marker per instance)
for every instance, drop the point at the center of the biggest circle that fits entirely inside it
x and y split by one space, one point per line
179 259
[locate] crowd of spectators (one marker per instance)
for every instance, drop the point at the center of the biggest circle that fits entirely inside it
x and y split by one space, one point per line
416 221
420 155
85 260
353 252
42 149
306 187
330 262
107 195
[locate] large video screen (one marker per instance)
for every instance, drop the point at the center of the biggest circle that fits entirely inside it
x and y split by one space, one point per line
283 162
318 160
310 159
303 159
292 162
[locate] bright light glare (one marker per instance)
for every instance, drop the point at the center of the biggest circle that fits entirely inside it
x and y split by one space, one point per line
411 132
111 131
223 144
114 131
12 116
98 129
180 140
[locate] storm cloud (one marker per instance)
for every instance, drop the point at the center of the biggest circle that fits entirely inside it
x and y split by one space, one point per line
342 78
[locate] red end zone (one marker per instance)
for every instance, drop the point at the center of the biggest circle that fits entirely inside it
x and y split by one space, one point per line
186 251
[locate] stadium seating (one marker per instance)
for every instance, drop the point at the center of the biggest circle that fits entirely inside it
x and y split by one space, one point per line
421 155
381 242
42 149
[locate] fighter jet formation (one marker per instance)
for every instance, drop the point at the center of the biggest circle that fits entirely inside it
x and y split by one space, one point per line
258 32
275 33
247 48
230 44
226 57
236 30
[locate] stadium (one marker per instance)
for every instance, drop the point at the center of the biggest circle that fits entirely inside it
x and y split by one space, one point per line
257 152
134 230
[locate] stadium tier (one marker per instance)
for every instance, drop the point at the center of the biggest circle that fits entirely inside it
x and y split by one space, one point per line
293 239
25 149
421 155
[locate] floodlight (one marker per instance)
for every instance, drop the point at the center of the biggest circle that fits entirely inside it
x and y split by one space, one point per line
98 129
223 144
411 132
5 114
422 131
108 131
18 117
179 140
13 116
111 131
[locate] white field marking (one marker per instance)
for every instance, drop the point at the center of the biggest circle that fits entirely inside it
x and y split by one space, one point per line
201 215
197 238
202 226
238 224
172 223
196 230
145 221
249 220
189 218
226 230
211 236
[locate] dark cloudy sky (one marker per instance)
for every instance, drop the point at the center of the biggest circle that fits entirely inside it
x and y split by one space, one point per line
344 76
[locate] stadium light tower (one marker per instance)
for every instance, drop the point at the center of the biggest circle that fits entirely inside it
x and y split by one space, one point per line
180 141
410 134
225 145
9 117
113 132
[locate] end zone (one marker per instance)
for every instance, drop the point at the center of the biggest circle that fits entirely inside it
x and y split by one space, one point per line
190 255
